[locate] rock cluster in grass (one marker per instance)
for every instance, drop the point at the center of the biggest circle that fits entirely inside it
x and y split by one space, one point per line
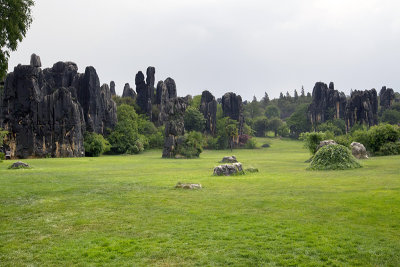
232 107
208 106
229 169
358 150
19 165
229 159
325 143
47 111
188 186
334 157
328 104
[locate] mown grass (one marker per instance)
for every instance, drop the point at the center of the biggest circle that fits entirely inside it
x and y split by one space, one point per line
124 210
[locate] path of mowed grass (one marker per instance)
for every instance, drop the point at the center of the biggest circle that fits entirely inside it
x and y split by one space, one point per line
124 210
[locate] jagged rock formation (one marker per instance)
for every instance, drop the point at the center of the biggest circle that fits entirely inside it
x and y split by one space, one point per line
166 92
112 88
174 128
386 97
327 104
47 111
232 107
208 107
128 91
145 90
362 108
171 86
35 61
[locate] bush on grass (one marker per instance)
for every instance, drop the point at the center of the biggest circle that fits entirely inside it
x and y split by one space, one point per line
334 157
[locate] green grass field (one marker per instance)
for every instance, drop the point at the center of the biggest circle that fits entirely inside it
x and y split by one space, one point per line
124 210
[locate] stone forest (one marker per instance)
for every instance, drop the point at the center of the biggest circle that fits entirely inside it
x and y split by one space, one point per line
199 133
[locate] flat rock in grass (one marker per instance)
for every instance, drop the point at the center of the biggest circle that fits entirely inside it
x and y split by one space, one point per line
229 159
358 150
229 169
188 186
19 165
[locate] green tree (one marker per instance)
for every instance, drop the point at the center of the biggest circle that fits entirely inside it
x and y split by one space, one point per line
298 122
391 116
95 145
265 99
274 124
272 111
125 137
260 126
194 120
252 109
15 19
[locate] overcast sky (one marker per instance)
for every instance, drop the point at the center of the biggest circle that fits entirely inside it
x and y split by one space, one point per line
247 47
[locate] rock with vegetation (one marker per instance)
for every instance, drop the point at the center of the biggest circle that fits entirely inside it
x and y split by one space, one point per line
325 143
229 159
188 186
208 107
358 150
327 104
362 108
174 128
334 157
229 169
19 165
35 61
232 107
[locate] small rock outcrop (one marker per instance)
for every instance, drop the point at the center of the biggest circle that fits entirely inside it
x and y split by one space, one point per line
362 108
128 92
232 107
35 61
358 150
208 106
386 97
229 169
188 186
229 159
112 88
19 165
174 128
327 104
171 87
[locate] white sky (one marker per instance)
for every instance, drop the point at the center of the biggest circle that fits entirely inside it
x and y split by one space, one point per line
247 47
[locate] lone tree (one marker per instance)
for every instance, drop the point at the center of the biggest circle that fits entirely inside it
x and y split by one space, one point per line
15 19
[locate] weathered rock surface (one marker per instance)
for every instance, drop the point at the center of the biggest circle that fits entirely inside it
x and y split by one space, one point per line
362 108
35 61
208 106
232 107
325 143
128 91
358 150
229 169
44 110
145 90
386 97
171 87
229 159
19 165
327 104
174 128
165 93
112 88
188 186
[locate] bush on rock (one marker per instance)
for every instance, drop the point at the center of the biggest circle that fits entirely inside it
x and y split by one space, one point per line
334 157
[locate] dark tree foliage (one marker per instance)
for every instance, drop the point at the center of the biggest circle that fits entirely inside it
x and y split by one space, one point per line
298 122
15 19
194 120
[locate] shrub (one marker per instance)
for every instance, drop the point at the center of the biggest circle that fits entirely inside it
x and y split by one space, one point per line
194 120
391 148
156 140
191 145
337 127
2 156
251 144
334 157
312 140
95 144
391 116
260 125
344 140
380 134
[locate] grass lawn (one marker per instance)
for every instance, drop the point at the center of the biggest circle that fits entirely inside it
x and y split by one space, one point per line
124 210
